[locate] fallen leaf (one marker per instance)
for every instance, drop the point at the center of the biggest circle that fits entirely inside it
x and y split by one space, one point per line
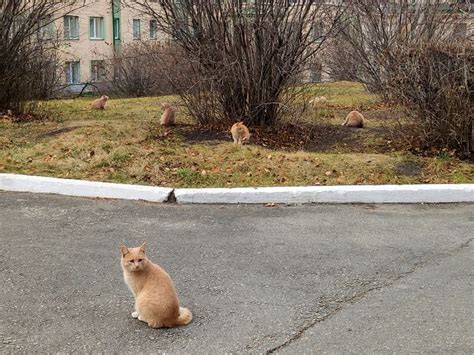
203 173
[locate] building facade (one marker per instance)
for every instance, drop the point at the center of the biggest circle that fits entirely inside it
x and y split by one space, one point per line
91 35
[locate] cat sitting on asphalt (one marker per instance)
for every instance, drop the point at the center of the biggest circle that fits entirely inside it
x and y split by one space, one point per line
156 301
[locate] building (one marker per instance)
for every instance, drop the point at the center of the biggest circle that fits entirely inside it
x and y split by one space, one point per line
91 35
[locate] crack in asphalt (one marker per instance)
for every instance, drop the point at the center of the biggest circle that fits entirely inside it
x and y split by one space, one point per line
347 301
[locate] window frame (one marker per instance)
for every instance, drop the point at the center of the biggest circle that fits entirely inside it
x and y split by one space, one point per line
134 33
97 70
153 29
70 65
116 28
68 35
95 28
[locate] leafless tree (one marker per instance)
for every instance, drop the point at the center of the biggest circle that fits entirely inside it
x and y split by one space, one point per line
417 54
28 63
436 83
244 55
144 69
373 33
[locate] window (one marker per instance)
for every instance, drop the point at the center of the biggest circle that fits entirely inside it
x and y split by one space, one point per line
97 70
153 29
73 73
317 30
47 29
96 28
136 29
116 28
71 27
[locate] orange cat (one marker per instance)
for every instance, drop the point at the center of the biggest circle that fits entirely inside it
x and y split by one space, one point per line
167 118
156 301
99 104
354 119
240 133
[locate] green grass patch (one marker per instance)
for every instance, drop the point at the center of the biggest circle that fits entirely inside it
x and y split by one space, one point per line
125 144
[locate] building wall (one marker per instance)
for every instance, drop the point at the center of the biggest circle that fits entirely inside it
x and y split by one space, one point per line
85 49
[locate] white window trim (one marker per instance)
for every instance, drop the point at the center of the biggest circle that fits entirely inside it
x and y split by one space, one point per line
69 19
70 73
138 21
96 28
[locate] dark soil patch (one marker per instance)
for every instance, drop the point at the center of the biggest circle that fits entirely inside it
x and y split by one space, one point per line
313 138
197 134
57 132
408 168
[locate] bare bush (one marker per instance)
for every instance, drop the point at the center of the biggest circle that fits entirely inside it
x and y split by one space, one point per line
243 56
413 53
374 32
144 69
28 63
435 83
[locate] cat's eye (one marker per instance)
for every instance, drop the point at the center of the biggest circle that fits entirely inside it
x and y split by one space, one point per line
140 260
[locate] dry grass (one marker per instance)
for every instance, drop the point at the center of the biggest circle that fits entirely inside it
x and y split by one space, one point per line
125 144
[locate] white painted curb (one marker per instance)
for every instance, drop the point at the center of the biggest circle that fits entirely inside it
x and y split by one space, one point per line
331 194
69 187
293 194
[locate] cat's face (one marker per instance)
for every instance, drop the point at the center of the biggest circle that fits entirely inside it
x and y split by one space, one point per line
134 259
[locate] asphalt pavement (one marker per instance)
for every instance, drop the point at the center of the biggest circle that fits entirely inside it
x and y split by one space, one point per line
292 279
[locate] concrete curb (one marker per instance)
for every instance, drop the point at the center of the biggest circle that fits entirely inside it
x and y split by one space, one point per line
331 194
451 193
69 187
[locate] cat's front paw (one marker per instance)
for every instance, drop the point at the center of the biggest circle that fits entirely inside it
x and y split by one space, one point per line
135 314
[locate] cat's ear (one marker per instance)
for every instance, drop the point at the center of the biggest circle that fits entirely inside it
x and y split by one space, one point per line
124 250
142 247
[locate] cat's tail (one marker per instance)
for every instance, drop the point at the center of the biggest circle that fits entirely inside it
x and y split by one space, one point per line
185 316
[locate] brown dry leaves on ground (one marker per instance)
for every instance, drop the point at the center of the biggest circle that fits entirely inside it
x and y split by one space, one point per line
125 144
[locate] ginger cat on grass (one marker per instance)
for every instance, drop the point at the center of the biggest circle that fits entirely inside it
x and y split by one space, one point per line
168 117
240 133
156 301
354 119
100 103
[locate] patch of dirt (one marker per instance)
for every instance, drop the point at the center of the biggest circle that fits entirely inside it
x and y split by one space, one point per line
57 132
408 168
313 138
202 134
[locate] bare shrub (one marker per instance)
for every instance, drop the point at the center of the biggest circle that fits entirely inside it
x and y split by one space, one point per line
28 63
243 56
415 54
144 69
373 33
435 83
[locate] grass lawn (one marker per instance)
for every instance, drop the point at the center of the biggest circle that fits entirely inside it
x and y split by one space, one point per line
125 144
